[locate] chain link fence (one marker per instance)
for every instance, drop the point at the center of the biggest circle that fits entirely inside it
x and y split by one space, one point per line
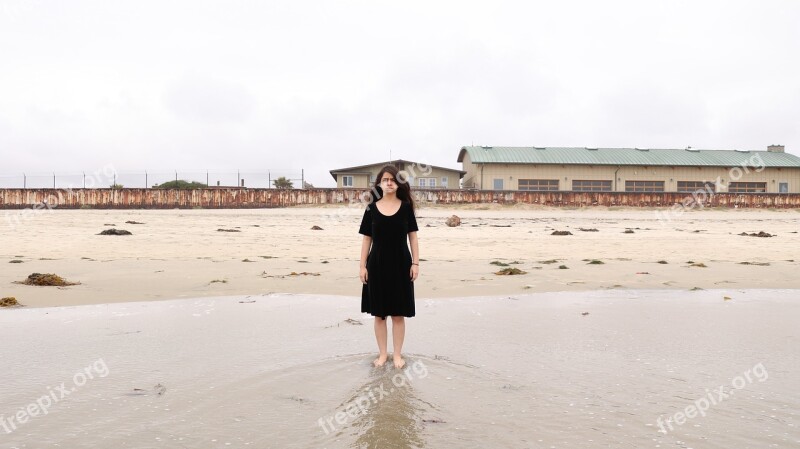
109 177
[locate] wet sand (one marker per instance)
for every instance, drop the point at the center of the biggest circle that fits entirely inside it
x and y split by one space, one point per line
548 370
181 253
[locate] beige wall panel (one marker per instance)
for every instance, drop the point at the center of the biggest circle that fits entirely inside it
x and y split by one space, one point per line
565 174
360 180
437 173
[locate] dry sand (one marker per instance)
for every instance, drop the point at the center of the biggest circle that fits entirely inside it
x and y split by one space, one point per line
181 253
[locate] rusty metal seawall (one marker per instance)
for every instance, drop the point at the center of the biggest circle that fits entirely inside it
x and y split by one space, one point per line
233 198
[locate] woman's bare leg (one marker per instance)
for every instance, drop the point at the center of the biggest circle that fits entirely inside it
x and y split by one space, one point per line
398 335
381 334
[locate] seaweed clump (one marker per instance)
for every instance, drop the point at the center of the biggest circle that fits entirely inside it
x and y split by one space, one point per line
9 302
47 280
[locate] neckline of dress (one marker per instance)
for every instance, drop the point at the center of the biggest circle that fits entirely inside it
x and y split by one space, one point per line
395 212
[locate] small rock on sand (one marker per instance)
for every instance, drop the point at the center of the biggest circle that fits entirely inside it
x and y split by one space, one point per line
453 221
510 272
561 233
760 234
316 228
114 231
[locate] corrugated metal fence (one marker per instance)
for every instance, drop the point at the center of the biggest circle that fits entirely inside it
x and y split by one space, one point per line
232 198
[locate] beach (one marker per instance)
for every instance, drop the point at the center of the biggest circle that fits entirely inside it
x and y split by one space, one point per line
190 253
242 328
545 370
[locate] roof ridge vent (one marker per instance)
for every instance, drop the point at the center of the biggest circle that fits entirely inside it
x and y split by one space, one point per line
539 148
485 147
591 149
642 149
742 151
693 150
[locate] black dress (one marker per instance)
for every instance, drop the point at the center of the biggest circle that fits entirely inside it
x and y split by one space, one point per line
389 290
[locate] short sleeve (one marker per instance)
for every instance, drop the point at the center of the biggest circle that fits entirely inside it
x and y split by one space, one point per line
412 220
366 222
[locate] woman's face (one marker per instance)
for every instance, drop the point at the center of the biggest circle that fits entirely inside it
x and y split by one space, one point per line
388 182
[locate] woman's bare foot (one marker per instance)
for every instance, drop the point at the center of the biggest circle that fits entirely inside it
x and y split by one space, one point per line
399 363
380 360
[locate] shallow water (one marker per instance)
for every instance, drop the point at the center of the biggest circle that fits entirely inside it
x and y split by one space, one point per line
527 371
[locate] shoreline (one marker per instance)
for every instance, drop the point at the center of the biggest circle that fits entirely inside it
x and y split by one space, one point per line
721 294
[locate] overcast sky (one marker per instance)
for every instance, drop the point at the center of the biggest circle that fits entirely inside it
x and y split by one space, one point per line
318 85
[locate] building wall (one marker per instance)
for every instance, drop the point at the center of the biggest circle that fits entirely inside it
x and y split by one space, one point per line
471 179
565 174
42 201
453 177
360 180
366 176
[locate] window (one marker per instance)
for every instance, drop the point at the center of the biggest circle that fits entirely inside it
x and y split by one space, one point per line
694 186
444 181
538 184
747 187
591 186
644 186
427 182
347 181
783 187
497 184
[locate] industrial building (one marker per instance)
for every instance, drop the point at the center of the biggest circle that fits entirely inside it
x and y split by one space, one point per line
581 169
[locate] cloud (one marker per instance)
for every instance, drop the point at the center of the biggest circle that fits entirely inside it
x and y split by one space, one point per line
208 100
318 85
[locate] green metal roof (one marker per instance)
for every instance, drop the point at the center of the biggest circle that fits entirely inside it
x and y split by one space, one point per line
626 156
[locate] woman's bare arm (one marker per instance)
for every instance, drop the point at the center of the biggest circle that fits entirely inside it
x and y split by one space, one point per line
412 239
366 243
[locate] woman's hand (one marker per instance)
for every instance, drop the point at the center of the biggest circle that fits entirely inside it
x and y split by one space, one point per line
414 272
363 275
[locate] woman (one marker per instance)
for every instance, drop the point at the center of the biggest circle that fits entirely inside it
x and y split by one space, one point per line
388 269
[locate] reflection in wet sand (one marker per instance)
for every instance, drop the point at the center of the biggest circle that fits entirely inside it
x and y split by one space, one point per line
393 418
